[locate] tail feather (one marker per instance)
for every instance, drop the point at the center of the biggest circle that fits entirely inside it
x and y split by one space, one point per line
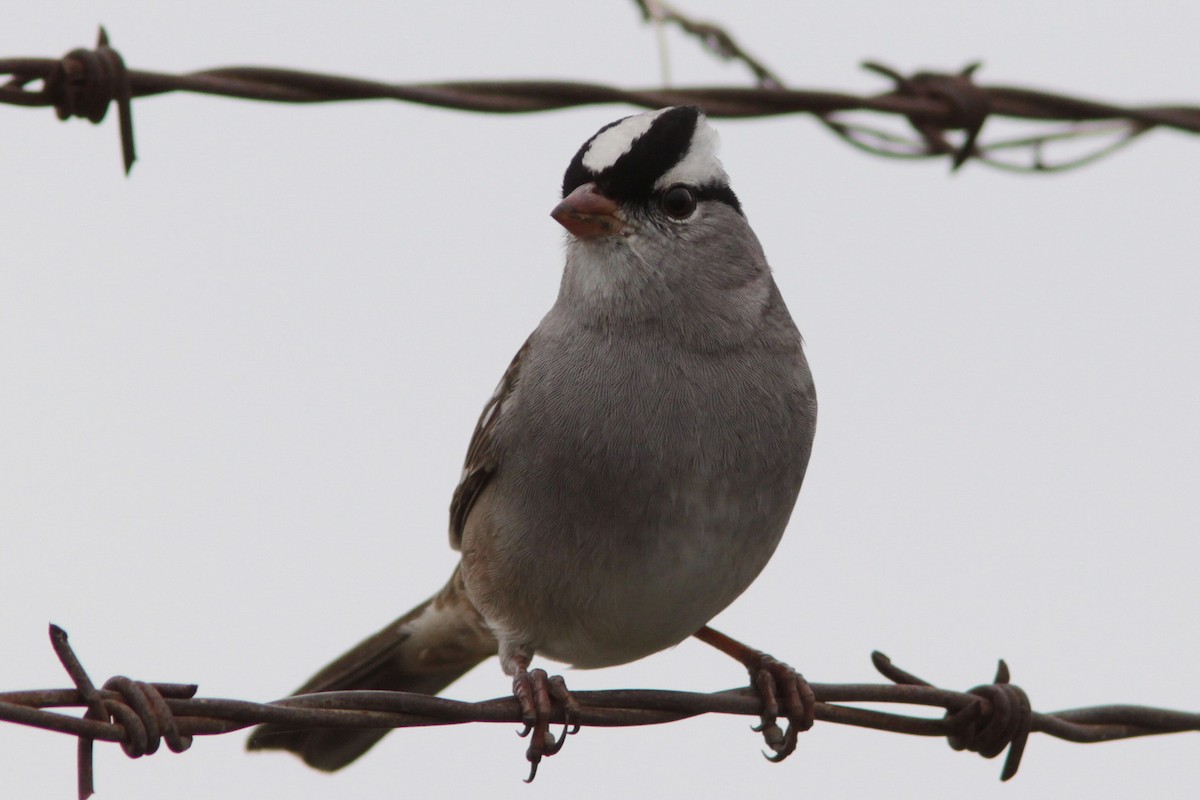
423 651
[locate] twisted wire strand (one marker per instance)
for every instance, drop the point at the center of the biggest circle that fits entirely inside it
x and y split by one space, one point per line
988 719
945 111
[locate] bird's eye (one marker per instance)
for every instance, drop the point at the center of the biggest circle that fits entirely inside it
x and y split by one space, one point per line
679 202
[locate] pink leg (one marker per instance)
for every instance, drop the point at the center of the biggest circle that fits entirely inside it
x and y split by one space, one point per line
774 681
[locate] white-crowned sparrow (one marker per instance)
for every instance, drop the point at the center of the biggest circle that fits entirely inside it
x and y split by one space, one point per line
638 463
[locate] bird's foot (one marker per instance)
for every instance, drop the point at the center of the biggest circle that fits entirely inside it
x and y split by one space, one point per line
782 690
537 693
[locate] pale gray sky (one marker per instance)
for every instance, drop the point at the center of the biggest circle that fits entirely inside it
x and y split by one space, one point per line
239 385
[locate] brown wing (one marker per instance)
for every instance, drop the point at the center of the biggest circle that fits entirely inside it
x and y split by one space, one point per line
481 458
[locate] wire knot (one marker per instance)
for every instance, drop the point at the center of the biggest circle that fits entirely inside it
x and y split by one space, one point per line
145 717
85 82
998 716
967 105
999 719
138 709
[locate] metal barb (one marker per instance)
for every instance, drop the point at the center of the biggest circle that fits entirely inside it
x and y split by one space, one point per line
967 107
998 716
83 83
142 715
85 761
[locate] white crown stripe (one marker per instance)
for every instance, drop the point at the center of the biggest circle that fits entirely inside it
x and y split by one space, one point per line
618 140
700 166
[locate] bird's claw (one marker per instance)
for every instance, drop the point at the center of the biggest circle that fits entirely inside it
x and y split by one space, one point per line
536 692
783 692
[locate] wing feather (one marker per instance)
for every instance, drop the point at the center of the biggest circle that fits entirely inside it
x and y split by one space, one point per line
481 462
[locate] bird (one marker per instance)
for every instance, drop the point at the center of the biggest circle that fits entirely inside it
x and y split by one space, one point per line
636 466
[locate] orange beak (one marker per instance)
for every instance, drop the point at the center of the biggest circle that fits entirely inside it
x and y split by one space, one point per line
587 213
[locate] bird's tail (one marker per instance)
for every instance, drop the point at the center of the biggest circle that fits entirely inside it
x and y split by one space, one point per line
424 651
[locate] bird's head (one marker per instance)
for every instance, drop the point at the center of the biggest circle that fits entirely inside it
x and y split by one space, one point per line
654 224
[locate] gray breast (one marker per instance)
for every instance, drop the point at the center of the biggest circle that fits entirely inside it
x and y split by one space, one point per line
646 490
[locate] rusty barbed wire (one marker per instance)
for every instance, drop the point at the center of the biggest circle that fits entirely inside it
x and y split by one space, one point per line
938 107
946 113
987 719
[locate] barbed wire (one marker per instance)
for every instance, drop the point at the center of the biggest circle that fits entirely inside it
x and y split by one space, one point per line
989 719
945 111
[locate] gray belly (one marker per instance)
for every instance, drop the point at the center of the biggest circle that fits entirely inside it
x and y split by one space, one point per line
611 587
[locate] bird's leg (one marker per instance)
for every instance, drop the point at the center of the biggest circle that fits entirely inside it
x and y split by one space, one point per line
781 689
536 693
